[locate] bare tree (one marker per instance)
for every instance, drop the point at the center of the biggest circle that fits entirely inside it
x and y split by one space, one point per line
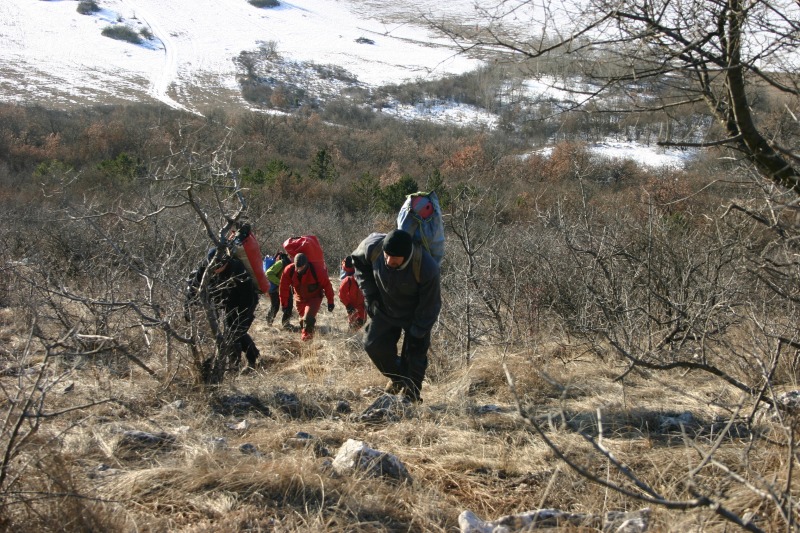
718 297
721 59
129 257
478 312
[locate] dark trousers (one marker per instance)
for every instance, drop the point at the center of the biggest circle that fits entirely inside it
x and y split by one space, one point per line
409 366
274 305
237 323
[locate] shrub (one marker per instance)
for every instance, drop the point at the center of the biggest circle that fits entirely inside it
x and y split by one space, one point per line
122 33
256 93
264 3
322 166
267 175
393 196
87 7
124 167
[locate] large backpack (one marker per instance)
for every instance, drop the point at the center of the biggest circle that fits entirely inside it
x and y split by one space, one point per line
310 246
421 216
244 245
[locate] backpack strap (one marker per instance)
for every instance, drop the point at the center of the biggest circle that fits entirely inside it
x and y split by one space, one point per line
416 262
416 259
313 271
376 252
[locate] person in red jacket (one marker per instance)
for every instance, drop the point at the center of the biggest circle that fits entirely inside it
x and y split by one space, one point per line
309 289
351 296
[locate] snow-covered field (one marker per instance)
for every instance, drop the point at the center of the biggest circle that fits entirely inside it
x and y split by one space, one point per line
48 49
51 54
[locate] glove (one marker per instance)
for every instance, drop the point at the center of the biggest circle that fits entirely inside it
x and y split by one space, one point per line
330 308
350 309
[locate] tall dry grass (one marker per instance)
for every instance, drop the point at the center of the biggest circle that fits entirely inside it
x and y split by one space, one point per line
614 309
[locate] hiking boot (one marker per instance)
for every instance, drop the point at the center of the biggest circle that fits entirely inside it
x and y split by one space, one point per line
411 397
411 394
306 335
394 387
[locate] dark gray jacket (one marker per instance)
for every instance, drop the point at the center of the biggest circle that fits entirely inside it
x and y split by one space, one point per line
404 302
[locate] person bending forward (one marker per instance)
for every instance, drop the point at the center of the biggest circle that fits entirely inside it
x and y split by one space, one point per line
401 285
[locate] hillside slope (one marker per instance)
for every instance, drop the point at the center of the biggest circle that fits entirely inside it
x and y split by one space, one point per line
52 55
155 453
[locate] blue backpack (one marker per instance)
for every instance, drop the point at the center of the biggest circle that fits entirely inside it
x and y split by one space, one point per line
421 216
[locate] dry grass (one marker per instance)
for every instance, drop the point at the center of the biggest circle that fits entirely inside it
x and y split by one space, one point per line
466 447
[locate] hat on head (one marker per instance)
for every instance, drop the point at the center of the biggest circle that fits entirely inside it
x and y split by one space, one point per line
219 258
300 260
347 265
397 243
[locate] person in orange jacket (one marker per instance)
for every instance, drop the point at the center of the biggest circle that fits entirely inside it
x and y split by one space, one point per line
309 289
351 296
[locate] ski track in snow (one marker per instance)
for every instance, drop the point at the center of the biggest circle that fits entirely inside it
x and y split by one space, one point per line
164 77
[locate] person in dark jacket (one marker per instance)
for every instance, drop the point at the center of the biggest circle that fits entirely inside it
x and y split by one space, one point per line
232 290
401 285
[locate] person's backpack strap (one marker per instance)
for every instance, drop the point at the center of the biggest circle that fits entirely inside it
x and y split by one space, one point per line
416 259
376 252
416 262
313 272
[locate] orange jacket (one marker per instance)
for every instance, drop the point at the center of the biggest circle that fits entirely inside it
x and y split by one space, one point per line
309 286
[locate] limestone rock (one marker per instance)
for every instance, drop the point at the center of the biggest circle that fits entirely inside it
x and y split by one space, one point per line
357 456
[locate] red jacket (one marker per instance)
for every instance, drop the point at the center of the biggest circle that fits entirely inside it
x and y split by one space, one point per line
306 287
350 293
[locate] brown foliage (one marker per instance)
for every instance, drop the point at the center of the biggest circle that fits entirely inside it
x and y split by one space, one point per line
469 159
568 160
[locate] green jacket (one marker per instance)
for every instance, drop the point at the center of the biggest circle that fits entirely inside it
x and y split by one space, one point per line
274 272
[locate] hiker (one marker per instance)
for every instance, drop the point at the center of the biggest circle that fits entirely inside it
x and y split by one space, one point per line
400 282
301 277
232 290
274 271
351 296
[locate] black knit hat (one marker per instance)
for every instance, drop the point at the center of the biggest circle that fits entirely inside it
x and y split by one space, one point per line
397 243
